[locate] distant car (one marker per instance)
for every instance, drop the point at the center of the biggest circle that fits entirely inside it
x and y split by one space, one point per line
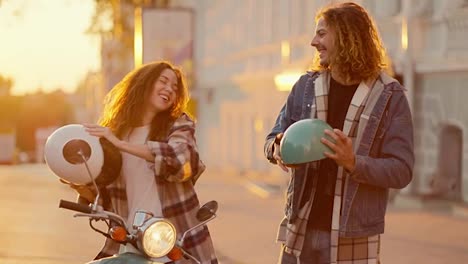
7 148
23 157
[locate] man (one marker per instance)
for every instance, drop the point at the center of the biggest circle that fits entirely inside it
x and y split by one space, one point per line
335 207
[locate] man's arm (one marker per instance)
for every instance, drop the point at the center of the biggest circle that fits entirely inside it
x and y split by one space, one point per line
394 166
284 119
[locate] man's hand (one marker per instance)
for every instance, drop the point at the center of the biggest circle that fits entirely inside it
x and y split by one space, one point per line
343 148
276 153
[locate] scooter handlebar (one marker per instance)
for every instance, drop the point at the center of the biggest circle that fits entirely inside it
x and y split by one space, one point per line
75 207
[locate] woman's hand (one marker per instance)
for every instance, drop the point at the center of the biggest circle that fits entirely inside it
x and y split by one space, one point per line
343 148
100 131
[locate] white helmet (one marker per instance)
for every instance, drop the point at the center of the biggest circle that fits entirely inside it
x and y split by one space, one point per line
69 146
66 150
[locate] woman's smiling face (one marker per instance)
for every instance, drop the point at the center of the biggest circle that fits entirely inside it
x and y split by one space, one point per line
164 92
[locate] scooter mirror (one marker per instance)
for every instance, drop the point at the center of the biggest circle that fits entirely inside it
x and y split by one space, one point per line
207 211
77 151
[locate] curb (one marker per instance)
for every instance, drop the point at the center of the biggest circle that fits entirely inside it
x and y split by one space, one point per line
414 202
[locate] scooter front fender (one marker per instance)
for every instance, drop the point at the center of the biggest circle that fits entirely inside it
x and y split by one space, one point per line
125 258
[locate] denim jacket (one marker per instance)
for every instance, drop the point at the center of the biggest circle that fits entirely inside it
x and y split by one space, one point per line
384 154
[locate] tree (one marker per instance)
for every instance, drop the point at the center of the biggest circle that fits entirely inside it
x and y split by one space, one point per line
113 21
111 17
5 84
8 104
38 111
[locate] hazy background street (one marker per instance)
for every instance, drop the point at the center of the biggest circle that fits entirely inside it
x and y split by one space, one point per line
36 231
59 59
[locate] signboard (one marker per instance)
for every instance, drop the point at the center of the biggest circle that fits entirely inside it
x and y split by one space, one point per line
167 34
41 136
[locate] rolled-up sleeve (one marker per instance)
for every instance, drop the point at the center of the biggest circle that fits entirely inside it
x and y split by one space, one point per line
177 159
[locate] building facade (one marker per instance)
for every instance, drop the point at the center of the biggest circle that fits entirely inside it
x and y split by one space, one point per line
242 46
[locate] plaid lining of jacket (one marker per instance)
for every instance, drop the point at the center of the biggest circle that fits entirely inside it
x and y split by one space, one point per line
364 250
177 167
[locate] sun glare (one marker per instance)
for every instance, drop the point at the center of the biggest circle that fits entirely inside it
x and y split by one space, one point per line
44 44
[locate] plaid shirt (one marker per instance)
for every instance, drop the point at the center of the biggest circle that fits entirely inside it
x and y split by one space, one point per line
342 250
176 167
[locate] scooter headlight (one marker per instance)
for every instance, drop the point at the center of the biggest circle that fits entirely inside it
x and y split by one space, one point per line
158 239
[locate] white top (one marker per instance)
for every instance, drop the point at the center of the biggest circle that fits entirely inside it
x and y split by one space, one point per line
139 179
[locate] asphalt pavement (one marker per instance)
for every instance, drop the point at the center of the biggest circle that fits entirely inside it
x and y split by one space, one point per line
35 231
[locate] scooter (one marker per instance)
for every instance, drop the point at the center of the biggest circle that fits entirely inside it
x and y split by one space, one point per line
149 240
77 157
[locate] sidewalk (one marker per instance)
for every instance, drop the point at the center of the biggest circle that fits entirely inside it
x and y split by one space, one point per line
267 185
414 236
439 206
244 231
417 230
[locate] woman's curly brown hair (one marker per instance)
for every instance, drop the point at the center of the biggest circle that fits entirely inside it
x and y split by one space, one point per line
360 54
125 104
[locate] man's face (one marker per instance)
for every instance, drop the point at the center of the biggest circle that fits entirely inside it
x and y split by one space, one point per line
323 41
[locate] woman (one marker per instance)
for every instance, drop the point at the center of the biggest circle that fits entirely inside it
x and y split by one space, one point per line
144 118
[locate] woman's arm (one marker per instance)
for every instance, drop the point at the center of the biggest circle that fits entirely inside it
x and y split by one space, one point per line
139 150
177 160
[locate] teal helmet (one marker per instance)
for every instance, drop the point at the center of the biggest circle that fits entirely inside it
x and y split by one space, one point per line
301 142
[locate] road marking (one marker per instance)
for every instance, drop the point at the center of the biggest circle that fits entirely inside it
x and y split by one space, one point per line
257 189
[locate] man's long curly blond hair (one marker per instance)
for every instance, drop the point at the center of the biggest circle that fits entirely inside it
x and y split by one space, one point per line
359 52
125 104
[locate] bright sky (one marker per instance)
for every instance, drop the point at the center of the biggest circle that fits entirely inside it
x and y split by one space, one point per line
43 43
